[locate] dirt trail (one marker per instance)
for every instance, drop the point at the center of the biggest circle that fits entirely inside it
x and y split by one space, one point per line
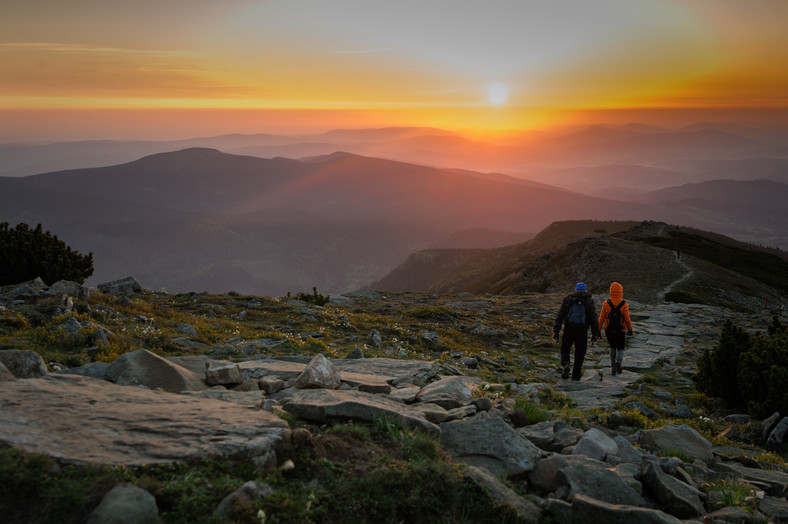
686 276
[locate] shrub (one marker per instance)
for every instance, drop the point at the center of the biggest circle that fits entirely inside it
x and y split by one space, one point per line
314 298
748 371
30 253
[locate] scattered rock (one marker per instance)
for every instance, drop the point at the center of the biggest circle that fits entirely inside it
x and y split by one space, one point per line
223 374
245 495
777 435
319 373
125 286
125 504
526 511
490 444
596 445
23 363
143 368
678 498
680 437
448 393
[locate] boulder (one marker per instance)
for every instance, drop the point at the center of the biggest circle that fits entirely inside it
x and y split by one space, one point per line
490 444
775 481
270 384
776 509
596 445
525 510
680 437
544 476
676 497
585 510
449 393
91 369
5 374
223 374
432 412
23 363
553 435
125 286
143 368
626 451
82 420
125 504
777 435
319 373
67 287
28 290
327 406
601 484
248 493
768 424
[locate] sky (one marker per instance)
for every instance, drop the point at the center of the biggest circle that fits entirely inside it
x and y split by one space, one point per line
179 68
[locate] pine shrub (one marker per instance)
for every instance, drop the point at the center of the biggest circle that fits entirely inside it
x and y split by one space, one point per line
748 371
30 253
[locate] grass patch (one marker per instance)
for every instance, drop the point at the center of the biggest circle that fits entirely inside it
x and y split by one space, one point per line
533 412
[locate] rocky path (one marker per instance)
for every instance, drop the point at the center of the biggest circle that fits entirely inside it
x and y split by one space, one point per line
686 276
663 334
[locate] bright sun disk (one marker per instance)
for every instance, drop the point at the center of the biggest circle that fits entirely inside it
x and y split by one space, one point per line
497 93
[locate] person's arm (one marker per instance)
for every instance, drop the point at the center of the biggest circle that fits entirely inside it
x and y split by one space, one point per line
591 313
603 314
625 316
559 319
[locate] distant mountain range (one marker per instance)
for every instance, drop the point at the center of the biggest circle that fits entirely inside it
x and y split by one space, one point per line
203 219
653 260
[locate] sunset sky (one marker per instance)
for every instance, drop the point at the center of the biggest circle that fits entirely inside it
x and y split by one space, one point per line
179 68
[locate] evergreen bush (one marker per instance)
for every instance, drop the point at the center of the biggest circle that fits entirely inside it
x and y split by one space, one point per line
748 371
30 253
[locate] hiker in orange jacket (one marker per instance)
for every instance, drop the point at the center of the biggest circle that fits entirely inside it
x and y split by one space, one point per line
614 318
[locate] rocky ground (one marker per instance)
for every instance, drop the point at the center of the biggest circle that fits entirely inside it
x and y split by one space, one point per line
238 377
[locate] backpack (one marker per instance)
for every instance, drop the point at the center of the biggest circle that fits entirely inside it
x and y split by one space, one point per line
577 312
615 321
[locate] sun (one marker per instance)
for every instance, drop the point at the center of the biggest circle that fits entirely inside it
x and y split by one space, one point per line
497 92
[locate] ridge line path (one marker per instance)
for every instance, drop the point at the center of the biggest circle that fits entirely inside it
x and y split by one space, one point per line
663 334
686 276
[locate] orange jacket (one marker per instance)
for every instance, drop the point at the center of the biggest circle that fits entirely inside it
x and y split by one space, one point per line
616 296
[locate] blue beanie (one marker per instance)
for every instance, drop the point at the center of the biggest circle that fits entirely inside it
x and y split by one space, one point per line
580 285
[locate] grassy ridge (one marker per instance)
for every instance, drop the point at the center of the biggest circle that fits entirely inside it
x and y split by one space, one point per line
761 266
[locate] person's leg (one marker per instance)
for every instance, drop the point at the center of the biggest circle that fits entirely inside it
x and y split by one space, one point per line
566 345
620 341
581 345
612 343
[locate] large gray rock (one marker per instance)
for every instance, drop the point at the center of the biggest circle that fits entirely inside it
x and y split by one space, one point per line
525 510
596 445
544 477
67 287
143 368
449 393
775 480
626 451
587 510
125 504
5 374
328 406
23 363
88 421
777 435
223 374
490 444
676 497
680 437
319 373
776 509
124 286
248 493
600 484
27 290
92 369
553 435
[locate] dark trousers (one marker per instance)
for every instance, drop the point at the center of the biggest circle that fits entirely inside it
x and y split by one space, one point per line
617 341
577 335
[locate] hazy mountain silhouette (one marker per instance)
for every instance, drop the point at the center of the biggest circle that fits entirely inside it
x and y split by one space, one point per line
202 219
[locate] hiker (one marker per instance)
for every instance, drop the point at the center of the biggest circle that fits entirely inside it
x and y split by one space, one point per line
614 318
576 314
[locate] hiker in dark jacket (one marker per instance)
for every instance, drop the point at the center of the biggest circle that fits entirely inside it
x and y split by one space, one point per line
576 321
614 319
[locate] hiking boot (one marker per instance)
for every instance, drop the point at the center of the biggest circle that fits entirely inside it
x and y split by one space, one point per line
565 374
618 368
613 370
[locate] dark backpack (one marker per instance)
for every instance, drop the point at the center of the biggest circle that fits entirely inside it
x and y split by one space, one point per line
615 321
577 312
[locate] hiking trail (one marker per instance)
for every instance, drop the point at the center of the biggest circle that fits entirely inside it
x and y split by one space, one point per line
686 276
